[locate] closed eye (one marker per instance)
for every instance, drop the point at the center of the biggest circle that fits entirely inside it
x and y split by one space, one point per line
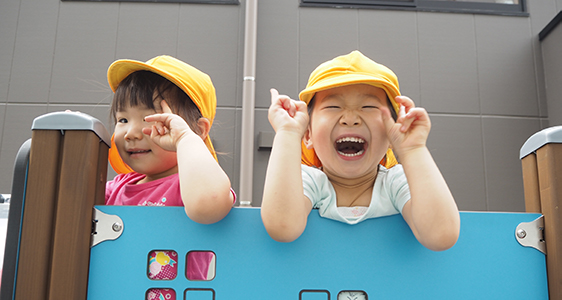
370 107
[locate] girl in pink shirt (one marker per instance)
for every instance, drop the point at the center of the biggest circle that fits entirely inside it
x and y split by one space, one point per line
163 110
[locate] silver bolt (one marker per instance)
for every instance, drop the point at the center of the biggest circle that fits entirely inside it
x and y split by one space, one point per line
521 233
117 226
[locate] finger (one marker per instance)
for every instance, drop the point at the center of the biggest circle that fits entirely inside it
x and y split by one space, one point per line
415 115
406 102
301 106
165 107
288 105
147 131
160 128
155 132
420 115
407 122
291 108
274 95
156 118
285 102
387 118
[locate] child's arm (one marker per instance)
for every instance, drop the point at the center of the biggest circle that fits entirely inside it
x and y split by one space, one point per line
431 212
284 208
205 187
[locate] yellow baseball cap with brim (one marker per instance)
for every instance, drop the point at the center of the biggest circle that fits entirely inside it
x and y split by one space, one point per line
196 84
353 68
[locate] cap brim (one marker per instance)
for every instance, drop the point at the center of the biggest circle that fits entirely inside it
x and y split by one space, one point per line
122 68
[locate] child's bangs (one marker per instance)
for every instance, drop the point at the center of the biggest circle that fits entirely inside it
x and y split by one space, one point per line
136 90
132 97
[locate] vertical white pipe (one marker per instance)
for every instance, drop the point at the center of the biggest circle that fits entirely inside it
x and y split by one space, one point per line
248 104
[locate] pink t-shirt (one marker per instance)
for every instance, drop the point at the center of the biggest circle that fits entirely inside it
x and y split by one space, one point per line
124 190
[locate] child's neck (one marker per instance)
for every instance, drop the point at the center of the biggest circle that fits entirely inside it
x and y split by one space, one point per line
353 191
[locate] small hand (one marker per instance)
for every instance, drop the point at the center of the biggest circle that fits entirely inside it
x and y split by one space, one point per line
287 114
411 128
168 128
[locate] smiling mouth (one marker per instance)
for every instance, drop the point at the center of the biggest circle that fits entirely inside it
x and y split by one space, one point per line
138 152
350 146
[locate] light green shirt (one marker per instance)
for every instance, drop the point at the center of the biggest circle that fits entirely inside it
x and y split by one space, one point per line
390 193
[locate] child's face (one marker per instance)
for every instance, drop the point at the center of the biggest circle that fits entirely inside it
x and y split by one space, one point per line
346 129
136 149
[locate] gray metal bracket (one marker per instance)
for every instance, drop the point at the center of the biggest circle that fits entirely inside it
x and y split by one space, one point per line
105 227
531 234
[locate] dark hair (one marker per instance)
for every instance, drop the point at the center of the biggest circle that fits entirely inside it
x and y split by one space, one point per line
145 88
390 107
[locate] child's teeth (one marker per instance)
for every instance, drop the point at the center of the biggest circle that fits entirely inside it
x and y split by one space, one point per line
351 154
350 139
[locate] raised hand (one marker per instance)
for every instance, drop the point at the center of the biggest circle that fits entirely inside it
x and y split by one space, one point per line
168 128
287 114
284 207
411 129
431 212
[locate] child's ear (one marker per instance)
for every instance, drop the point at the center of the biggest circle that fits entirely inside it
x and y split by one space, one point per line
306 139
204 127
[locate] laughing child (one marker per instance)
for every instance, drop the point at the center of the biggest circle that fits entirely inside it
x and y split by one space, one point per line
350 115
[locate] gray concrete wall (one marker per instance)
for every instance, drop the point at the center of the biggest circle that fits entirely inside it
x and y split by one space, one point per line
551 50
54 55
481 77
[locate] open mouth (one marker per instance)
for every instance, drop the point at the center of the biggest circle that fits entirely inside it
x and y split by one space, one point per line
350 146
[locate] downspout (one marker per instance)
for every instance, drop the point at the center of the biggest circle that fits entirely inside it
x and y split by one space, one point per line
248 105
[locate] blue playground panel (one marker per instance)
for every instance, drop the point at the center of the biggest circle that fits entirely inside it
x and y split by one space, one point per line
379 256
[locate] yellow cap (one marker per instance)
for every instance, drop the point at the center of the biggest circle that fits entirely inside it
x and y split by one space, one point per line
196 84
353 68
